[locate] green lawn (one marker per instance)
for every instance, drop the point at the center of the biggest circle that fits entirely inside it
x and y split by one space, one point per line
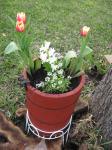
57 21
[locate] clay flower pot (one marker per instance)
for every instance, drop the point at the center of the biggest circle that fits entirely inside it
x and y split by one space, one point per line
51 112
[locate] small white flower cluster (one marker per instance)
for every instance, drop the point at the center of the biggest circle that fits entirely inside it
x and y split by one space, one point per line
55 79
49 55
41 84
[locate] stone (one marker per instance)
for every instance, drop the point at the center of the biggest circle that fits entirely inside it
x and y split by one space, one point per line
108 58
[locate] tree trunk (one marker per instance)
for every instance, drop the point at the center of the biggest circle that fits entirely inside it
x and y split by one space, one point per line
101 106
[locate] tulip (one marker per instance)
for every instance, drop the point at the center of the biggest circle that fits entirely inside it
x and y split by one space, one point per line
21 17
84 31
20 27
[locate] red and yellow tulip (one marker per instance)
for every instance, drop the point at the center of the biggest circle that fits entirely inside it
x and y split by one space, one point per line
84 31
20 27
21 17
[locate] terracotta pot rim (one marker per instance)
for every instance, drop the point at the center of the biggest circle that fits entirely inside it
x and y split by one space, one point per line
74 91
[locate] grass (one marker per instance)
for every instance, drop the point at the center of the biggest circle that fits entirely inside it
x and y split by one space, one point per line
57 21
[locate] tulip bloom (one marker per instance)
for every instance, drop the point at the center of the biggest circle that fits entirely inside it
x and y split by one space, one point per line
84 31
20 27
21 17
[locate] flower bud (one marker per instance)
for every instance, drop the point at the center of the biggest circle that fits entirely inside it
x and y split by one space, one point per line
21 17
20 26
84 31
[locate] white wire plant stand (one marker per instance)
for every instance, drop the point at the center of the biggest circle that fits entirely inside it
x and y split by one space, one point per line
63 132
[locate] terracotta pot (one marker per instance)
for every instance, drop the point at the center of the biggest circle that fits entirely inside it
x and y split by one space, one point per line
51 112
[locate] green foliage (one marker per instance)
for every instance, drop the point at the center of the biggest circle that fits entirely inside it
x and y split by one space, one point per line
23 41
37 64
76 64
68 56
47 67
86 52
55 84
11 47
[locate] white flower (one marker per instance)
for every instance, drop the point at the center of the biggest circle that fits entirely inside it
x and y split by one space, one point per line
52 59
54 85
70 54
43 57
54 67
59 82
60 72
55 76
60 65
45 47
73 53
47 79
51 52
69 77
49 74
41 84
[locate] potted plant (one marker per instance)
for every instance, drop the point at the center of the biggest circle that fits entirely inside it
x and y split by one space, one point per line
54 80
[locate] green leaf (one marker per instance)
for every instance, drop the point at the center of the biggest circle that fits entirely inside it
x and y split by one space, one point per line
37 64
86 51
69 55
11 48
47 67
